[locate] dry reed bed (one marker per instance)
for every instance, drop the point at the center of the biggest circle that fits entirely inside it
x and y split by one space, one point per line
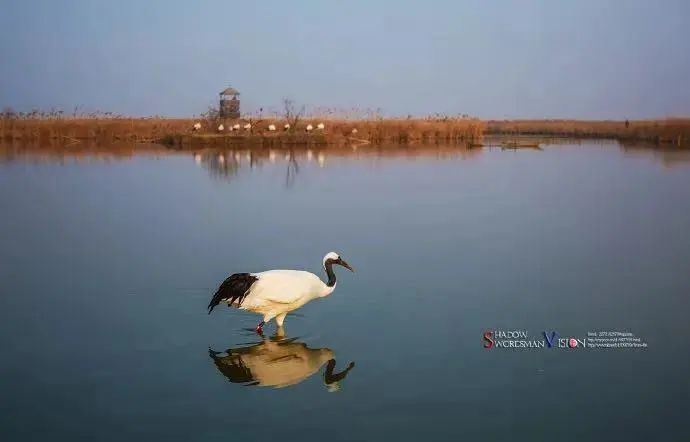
179 131
105 130
665 131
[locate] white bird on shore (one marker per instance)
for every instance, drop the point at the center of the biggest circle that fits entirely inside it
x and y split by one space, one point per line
286 127
354 131
236 126
309 127
197 126
247 126
271 127
221 128
320 126
275 293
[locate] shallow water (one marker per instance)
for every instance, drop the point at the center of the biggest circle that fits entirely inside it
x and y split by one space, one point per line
107 263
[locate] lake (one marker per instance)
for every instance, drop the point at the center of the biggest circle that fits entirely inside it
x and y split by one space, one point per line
108 261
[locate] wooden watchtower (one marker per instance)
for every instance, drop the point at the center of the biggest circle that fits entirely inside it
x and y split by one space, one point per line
229 103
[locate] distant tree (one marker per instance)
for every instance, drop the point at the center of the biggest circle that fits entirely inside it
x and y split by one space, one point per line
254 119
291 113
212 116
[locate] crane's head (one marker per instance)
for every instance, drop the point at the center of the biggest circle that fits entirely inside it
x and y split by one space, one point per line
333 258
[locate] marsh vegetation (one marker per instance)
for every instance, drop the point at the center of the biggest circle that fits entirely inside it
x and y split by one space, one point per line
294 126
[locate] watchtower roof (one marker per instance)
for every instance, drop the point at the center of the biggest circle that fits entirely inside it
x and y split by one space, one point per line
230 91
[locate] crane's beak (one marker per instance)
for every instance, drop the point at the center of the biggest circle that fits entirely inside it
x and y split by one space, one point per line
346 265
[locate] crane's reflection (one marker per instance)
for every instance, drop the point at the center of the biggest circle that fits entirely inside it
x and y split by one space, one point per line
278 362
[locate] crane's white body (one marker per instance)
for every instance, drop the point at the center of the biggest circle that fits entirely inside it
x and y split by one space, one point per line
278 292
275 293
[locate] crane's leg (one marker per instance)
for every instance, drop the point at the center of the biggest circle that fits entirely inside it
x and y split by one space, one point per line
260 328
280 319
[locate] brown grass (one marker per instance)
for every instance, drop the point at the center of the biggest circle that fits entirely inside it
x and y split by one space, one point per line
338 131
666 131
80 129
179 131
410 131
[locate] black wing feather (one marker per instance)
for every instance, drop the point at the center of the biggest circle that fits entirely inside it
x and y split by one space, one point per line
233 289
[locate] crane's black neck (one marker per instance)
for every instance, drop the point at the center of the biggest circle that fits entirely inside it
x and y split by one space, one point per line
331 274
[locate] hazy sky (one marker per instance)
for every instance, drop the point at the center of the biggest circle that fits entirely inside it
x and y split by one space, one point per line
494 59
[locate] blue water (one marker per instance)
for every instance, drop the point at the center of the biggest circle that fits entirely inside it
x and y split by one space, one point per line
107 265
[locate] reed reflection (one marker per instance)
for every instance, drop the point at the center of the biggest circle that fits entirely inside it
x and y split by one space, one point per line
227 164
668 156
278 362
81 153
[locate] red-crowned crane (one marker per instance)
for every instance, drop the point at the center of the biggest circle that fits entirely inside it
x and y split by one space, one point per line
275 293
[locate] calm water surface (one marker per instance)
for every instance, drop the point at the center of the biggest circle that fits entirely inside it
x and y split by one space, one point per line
107 264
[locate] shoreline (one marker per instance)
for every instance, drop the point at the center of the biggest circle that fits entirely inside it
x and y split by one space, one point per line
178 133
226 159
